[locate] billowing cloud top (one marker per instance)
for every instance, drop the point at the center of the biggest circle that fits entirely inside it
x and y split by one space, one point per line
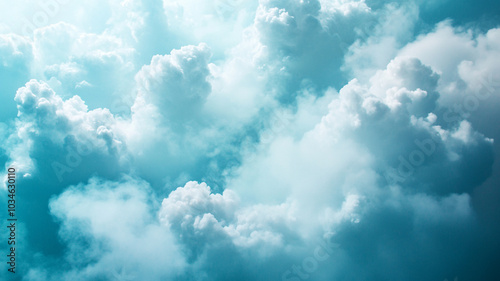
250 140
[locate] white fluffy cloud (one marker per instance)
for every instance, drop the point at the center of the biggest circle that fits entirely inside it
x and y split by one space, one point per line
201 218
65 128
112 233
177 84
254 140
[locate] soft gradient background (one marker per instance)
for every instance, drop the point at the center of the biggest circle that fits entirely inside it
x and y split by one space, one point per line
251 140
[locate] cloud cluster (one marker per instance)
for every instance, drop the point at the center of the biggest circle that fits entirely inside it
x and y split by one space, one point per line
110 233
259 140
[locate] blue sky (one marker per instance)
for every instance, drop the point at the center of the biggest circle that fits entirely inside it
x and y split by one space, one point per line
251 140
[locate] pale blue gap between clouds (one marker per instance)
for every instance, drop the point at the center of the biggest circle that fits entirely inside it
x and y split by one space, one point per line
322 167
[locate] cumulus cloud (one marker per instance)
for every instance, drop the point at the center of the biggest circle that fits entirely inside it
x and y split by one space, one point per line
44 117
57 142
110 232
176 83
252 140
201 218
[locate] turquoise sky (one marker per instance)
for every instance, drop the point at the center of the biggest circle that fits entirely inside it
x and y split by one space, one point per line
251 140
